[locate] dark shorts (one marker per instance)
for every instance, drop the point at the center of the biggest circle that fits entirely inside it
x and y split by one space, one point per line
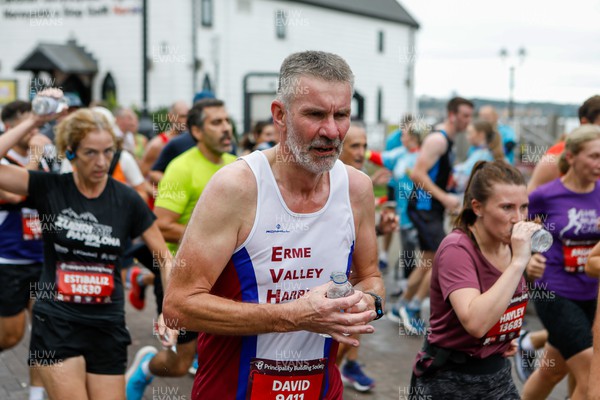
568 322
54 339
430 226
409 243
17 287
449 384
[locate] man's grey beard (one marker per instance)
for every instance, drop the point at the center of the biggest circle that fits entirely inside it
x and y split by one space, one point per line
303 156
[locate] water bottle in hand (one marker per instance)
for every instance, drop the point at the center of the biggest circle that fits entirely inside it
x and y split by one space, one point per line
43 105
340 287
541 240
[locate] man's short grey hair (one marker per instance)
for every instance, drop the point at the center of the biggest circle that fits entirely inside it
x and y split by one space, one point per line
319 64
120 111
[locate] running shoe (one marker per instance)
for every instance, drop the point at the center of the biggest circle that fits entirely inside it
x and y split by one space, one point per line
353 375
524 359
194 366
135 377
412 321
394 314
137 294
400 288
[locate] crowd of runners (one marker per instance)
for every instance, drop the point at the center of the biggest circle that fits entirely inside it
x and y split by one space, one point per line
239 251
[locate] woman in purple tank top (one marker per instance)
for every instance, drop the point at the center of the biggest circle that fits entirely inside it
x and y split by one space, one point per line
565 295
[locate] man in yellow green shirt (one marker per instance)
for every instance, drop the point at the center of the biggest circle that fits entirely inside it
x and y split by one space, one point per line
187 175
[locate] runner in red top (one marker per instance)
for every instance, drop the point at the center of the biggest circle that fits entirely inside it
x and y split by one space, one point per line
258 264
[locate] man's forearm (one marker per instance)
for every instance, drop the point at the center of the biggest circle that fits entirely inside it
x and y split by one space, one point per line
10 198
172 232
313 312
12 136
155 176
212 314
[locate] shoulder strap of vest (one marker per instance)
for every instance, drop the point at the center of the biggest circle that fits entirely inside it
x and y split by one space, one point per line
113 163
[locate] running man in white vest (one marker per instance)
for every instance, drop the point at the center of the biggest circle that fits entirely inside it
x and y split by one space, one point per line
262 242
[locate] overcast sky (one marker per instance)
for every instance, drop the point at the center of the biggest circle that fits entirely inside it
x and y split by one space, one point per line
459 42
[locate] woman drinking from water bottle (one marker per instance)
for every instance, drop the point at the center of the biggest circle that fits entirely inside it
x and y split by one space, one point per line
478 293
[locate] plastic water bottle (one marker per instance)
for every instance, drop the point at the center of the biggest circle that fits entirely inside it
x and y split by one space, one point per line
340 287
42 105
541 240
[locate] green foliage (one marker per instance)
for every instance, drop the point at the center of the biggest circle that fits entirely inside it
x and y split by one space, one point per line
380 190
111 101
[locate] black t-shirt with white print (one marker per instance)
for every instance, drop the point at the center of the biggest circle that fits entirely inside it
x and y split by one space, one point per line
84 240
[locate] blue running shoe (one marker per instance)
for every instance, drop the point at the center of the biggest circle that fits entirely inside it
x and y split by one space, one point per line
352 374
525 360
394 314
135 377
194 366
412 321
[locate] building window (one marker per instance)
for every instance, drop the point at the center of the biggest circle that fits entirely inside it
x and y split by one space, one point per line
207 84
207 13
380 41
358 106
109 88
379 105
280 24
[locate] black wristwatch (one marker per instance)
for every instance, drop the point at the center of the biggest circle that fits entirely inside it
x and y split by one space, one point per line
378 308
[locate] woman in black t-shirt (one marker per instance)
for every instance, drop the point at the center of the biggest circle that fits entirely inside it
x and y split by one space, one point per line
86 217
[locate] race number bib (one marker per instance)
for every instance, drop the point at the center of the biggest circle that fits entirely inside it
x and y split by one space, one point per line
286 380
87 283
576 257
509 325
32 228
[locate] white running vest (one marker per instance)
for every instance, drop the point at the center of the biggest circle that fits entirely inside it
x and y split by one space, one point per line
288 253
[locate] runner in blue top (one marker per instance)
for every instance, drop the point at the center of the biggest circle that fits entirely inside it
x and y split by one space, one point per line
401 161
21 253
429 198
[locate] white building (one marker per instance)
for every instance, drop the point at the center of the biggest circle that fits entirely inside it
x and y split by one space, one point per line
233 47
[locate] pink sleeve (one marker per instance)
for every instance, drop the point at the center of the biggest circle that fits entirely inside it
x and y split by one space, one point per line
456 269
